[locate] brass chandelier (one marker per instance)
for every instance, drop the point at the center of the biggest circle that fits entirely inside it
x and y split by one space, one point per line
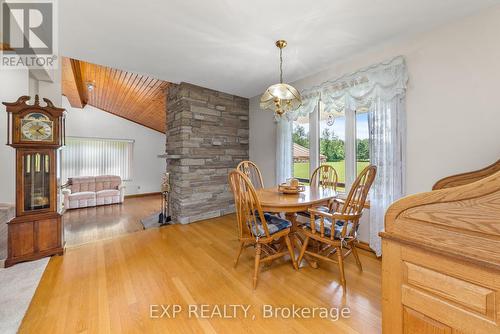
281 97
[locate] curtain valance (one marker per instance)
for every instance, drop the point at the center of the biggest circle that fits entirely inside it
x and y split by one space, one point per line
385 81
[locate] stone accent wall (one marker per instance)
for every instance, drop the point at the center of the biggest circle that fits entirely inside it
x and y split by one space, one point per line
207 136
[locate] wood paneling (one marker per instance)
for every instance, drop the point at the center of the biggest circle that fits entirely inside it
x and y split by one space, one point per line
462 292
138 98
22 239
49 235
417 323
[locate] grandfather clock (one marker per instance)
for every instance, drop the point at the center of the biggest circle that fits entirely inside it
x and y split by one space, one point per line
36 133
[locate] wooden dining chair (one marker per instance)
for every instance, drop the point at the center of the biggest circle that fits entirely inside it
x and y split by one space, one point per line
252 171
335 232
261 230
325 176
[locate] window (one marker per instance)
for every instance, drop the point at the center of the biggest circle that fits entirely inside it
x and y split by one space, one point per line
301 154
362 140
93 157
342 141
332 141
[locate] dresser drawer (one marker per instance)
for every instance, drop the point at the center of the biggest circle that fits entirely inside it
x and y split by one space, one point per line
459 294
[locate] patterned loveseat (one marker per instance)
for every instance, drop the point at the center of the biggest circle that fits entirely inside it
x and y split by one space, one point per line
85 191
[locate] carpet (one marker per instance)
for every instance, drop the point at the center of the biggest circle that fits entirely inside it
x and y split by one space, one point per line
17 287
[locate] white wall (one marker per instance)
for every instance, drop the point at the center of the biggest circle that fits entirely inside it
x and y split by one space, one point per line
453 114
52 88
452 100
262 148
147 168
13 84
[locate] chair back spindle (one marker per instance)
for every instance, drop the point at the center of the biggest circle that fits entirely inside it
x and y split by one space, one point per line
251 171
355 201
325 176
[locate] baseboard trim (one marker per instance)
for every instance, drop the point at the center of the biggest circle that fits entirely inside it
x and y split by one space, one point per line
364 246
143 195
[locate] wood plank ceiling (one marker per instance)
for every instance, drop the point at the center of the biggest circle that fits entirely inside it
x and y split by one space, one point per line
138 98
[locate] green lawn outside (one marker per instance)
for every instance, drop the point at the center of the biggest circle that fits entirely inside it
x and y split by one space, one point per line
301 169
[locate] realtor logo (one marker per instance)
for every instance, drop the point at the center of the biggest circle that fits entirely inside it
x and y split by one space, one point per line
28 34
27 27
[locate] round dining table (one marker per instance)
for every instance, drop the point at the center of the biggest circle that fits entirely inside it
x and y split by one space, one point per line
274 201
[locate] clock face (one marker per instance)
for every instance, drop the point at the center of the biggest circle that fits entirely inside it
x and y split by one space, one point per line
36 127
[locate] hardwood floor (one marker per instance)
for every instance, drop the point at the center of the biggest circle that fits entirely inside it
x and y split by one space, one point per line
103 222
108 286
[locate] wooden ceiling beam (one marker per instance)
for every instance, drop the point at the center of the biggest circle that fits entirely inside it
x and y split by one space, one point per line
80 85
72 83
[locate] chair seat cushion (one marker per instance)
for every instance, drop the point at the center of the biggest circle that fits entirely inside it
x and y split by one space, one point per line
307 214
108 193
81 195
274 225
322 209
328 227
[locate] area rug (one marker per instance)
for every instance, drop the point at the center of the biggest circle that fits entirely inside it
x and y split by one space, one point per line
17 287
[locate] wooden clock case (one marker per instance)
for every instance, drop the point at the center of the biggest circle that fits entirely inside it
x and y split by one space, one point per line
37 229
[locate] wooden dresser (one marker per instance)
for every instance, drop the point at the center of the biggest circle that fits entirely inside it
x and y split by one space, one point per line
441 258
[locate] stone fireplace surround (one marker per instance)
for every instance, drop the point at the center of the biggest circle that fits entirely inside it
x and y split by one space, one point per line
206 137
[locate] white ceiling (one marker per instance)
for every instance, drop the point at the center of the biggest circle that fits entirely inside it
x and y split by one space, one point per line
228 45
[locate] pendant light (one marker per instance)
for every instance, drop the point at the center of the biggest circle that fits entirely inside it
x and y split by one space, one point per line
281 97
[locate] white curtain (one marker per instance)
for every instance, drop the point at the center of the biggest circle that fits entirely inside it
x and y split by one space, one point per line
94 157
381 88
284 147
284 144
387 125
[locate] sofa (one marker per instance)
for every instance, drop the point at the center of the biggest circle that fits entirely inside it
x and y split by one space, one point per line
86 191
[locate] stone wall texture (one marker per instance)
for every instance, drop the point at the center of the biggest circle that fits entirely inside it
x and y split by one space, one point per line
207 136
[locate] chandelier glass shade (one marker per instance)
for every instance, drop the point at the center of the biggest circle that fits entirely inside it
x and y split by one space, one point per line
281 97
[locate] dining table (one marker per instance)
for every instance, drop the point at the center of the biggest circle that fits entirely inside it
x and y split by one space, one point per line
274 201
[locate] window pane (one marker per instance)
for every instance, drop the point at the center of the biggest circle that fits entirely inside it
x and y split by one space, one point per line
332 141
300 138
362 141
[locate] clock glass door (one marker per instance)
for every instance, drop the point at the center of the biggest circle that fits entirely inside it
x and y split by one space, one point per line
36 180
